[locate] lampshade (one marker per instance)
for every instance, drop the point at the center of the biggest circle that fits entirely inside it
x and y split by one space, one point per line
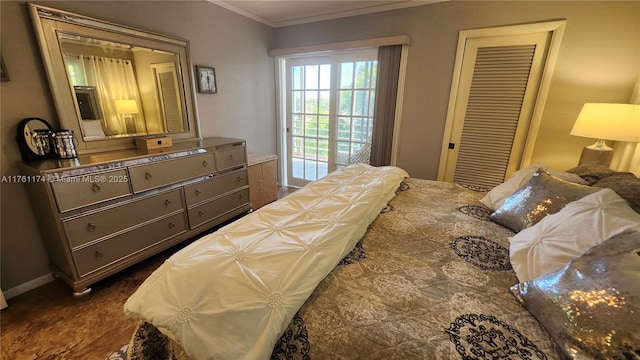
126 107
619 122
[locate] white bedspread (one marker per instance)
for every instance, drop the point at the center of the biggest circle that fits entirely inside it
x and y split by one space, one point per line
232 293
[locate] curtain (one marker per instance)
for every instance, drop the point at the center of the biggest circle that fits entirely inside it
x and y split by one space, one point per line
3 302
626 155
385 104
114 125
75 69
114 79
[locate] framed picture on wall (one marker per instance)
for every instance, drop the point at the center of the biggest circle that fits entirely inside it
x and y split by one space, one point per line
206 77
4 75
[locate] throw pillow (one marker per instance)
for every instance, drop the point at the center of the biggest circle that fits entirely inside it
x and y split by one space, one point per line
558 238
544 194
591 307
624 184
592 173
498 194
93 128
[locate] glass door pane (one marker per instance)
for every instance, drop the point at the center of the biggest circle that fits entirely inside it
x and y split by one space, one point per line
309 127
329 113
356 99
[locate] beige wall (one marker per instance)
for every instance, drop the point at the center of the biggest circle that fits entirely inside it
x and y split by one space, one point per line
243 107
599 61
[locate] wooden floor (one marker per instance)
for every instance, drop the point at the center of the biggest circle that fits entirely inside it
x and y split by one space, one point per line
49 323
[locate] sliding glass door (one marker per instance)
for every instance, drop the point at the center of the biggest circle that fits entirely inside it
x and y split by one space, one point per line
329 113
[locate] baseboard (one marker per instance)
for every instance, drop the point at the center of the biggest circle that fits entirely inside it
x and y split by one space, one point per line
29 285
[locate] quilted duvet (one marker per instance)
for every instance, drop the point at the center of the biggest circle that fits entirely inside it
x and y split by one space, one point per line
232 293
429 280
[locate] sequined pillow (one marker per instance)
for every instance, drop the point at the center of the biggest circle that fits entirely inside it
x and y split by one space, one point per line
591 307
544 194
498 194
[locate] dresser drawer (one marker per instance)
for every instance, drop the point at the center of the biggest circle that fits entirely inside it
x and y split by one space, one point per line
168 172
215 208
76 192
230 158
99 255
215 186
90 227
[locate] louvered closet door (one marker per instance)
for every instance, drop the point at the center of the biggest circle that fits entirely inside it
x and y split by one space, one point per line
168 95
497 92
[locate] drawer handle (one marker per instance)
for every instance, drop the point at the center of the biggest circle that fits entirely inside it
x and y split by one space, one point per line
148 176
198 192
172 225
98 254
201 213
95 187
167 202
239 178
241 197
91 227
232 157
205 163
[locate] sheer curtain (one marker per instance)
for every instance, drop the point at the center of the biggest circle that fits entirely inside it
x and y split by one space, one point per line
385 104
626 156
75 69
114 79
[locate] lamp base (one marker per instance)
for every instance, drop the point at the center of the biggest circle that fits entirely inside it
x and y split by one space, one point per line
129 124
598 156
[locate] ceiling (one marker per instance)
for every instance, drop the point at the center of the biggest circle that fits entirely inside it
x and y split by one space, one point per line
277 13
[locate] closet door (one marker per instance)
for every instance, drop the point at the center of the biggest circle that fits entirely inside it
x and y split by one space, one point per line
168 97
497 89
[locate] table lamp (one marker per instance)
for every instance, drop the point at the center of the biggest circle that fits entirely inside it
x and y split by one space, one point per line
127 108
606 121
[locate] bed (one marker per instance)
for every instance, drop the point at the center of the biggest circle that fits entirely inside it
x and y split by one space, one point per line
431 278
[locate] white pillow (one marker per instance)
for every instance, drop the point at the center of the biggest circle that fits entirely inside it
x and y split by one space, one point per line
92 128
556 239
498 194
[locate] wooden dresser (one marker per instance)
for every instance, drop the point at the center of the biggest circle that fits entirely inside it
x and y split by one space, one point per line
101 213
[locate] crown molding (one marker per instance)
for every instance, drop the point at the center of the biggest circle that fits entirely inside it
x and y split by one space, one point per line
227 4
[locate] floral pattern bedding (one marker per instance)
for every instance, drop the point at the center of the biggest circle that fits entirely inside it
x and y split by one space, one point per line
429 280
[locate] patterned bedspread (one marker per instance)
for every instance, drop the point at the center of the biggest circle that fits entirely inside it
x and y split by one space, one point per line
429 280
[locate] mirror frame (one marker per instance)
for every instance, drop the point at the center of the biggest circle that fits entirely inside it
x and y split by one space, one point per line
48 22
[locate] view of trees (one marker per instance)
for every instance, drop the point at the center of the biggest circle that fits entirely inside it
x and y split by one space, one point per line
311 108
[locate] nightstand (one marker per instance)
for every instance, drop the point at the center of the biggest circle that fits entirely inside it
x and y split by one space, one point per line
263 179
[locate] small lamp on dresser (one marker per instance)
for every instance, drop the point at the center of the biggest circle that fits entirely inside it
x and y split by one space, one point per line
606 121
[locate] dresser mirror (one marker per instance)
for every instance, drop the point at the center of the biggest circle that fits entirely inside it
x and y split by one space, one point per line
112 83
